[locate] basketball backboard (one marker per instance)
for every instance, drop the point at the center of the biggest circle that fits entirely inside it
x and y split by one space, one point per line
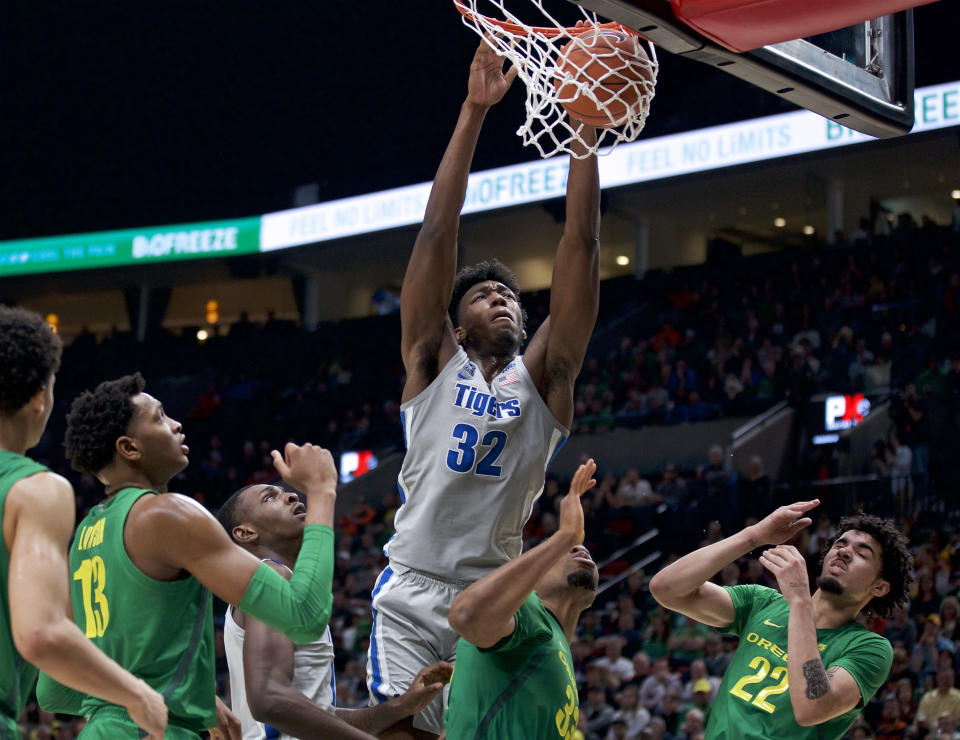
860 76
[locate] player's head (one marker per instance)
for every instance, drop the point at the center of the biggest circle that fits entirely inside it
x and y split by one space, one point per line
29 360
485 308
117 428
869 557
262 515
573 577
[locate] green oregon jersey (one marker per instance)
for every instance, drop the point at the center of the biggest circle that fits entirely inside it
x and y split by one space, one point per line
160 631
521 688
753 701
16 675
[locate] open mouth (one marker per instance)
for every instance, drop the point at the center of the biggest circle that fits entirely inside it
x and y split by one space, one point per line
299 509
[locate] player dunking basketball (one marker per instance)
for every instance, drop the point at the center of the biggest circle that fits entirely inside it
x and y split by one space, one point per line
481 422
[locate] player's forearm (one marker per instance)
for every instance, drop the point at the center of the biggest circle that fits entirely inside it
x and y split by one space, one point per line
809 683
299 608
442 214
290 712
69 659
373 720
485 606
583 194
684 577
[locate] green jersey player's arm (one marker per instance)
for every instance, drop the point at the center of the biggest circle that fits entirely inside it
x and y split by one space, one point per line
38 522
684 585
485 612
170 533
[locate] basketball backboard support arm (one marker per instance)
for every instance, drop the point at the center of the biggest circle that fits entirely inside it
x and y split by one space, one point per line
877 104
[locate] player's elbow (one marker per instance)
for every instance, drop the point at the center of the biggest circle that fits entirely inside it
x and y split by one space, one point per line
808 715
468 622
269 703
43 643
661 590
461 618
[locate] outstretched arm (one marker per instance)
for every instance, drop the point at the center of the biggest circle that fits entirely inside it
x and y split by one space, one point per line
556 352
41 510
684 585
177 533
428 282
483 613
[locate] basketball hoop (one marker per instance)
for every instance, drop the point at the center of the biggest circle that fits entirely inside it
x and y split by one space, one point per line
598 73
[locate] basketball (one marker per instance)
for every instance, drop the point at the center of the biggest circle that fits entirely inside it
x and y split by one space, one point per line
614 65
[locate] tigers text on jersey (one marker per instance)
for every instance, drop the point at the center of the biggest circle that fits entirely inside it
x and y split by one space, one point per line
475 463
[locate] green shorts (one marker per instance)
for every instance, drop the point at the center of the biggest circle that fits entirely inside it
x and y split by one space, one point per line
113 723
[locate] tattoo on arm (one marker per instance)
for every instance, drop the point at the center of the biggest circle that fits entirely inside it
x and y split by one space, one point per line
818 684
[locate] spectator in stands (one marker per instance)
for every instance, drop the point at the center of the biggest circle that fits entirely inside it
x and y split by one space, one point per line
630 711
946 729
926 653
698 672
656 636
901 630
613 659
927 600
693 723
658 684
686 643
718 490
944 699
715 656
755 492
907 696
900 669
634 490
671 712
891 725
949 626
597 712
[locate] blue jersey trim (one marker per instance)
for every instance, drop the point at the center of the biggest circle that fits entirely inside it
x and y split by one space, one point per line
374 657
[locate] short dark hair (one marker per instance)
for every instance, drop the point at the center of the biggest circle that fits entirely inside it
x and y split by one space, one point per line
97 419
492 269
896 566
229 513
29 355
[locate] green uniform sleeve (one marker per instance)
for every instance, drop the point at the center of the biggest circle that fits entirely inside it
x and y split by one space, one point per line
57 698
299 608
868 661
530 625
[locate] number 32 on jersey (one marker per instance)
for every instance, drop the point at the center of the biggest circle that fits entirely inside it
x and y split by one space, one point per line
470 447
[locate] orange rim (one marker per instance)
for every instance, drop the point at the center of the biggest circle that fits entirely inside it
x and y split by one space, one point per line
549 31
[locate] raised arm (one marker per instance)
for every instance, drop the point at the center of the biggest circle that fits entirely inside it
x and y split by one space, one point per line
483 613
427 338
556 352
684 585
176 533
40 510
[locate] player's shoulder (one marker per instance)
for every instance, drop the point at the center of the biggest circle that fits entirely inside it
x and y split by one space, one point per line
169 510
39 490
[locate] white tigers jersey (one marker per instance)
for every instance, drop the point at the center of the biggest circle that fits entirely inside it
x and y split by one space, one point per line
475 463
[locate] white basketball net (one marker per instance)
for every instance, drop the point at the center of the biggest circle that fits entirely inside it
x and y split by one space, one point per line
552 79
